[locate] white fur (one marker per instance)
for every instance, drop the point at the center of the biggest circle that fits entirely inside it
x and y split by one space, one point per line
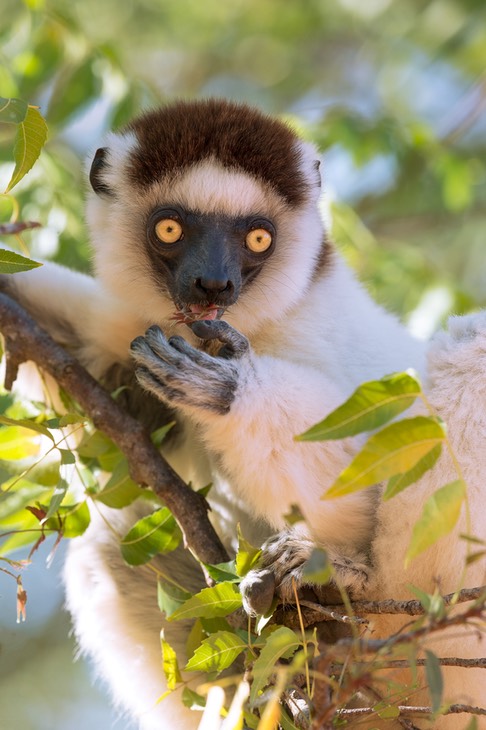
313 342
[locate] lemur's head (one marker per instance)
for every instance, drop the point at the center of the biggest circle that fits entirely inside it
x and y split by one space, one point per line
206 209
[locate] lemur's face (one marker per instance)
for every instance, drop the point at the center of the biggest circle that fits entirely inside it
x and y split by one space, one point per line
204 210
204 259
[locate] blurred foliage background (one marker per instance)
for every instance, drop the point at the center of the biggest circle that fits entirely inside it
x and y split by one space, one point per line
393 91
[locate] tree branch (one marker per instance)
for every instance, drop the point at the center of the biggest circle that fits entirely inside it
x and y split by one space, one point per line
315 613
25 340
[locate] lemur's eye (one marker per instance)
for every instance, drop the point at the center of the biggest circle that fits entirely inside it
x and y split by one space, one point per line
168 230
259 240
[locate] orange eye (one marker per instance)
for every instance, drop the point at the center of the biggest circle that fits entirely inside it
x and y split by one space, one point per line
259 240
168 230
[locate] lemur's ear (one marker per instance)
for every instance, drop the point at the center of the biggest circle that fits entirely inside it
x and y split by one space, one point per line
95 177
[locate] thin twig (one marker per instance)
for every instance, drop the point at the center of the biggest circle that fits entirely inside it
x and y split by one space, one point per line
16 227
446 661
411 710
371 646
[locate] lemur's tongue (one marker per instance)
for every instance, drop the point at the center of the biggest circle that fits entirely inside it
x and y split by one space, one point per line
210 311
196 313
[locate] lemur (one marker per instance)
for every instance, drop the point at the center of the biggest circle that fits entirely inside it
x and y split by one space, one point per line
217 295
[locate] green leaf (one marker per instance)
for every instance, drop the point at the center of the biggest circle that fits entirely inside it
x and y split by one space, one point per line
13 111
220 600
17 540
67 457
472 538
192 699
70 419
262 621
317 568
170 665
159 434
474 557
246 556
196 635
31 137
18 443
219 623
433 603
401 481
217 652
170 597
95 445
156 533
223 571
13 503
371 405
13 263
252 722
279 643
435 681
385 711
440 514
424 597
27 423
395 449
120 490
203 491
57 498
73 520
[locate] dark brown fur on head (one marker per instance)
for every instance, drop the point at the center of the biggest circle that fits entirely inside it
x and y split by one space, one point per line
182 134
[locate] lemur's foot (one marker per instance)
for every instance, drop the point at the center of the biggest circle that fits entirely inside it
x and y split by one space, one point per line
282 564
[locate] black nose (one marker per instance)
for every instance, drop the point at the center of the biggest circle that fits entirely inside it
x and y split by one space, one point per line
213 288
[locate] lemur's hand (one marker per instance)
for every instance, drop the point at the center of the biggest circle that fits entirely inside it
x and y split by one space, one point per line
181 375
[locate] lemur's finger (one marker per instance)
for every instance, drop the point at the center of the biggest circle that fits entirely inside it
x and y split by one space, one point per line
237 344
155 345
183 346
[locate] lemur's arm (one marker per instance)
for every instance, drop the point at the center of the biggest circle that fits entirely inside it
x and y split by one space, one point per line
77 313
248 409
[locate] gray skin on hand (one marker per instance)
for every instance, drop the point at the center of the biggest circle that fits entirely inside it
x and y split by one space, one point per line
181 375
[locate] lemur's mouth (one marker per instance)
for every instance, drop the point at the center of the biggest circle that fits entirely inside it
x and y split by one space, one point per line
189 313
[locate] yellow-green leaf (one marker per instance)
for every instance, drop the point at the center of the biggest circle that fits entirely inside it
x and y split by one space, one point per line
220 600
401 481
120 490
18 443
170 665
395 449
317 569
371 405
279 643
246 556
73 520
170 597
217 652
435 680
156 533
13 263
223 571
440 514
27 423
30 139
12 111
193 700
